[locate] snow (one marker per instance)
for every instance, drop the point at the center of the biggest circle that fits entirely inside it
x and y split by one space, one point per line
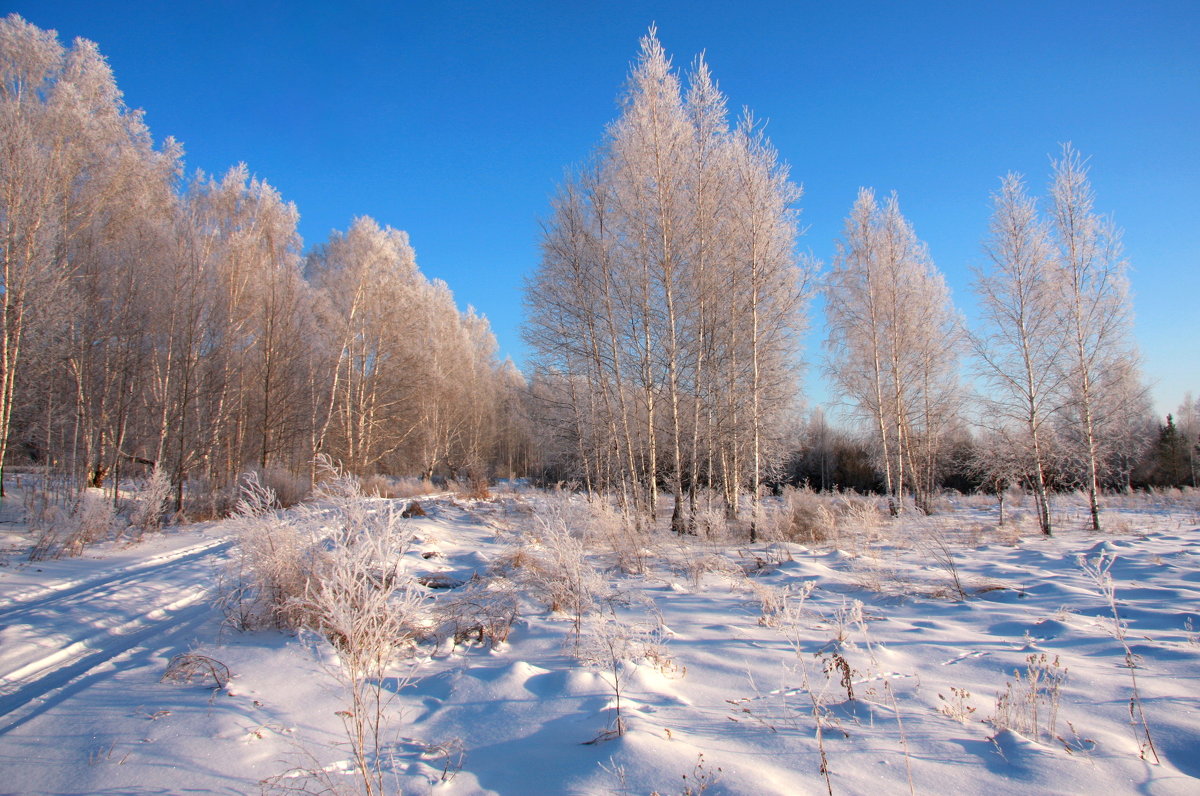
729 703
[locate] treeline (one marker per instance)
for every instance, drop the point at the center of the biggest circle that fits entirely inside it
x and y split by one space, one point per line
1162 455
155 321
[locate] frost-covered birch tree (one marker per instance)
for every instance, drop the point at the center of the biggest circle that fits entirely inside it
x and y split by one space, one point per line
149 322
664 312
1020 345
74 166
892 343
1090 275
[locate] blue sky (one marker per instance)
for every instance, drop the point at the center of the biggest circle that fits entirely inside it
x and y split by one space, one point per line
455 120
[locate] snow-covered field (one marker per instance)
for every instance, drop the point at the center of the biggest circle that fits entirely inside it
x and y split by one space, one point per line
741 668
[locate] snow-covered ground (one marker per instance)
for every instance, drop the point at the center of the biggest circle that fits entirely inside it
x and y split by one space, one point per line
744 665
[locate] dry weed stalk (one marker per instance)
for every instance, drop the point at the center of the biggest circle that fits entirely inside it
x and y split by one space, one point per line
1020 706
1100 571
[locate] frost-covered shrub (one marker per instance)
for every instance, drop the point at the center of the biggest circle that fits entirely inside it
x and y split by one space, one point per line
150 502
93 519
290 488
694 561
616 647
343 544
413 487
336 568
809 517
49 528
474 486
361 599
711 520
1029 703
272 563
607 526
552 562
945 503
204 500
386 486
67 531
483 611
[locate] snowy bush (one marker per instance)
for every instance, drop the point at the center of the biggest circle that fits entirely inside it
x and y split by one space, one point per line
284 558
272 563
409 487
68 531
619 532
92 520
811 518
553 565
711 521
388 487
371 611
483 611
473 487
615 647
1029 704
151 502
290 488
694 561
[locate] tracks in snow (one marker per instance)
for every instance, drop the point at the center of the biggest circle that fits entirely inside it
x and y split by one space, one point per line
160 563
62 638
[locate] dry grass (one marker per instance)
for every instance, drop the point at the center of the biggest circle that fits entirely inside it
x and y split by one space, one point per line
813 518
396 488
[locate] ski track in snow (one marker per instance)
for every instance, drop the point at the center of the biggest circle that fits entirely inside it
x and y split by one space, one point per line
60 638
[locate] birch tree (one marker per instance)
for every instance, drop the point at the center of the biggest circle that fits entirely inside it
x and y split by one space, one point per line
1020 346
1091 277
649 158
64 134
367 280
892 342
764 227
169 324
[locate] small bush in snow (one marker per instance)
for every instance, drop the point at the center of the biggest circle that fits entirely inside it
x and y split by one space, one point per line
290 488
614 647
151 502
473 488
271 566
408 488
68 531
619 532
190 667
388 487
1100 572
553 565
808 517
371 610
812 518
956 706
92 520
483 611
335 568
711 520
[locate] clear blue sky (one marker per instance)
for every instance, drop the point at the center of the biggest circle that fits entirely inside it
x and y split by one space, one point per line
454 120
